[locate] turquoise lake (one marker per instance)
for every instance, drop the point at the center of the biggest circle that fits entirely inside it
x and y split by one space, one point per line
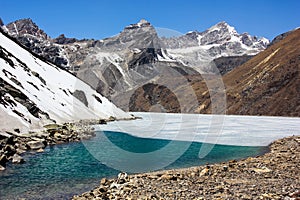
62 171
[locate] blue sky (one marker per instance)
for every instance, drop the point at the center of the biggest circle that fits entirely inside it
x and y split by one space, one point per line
100 19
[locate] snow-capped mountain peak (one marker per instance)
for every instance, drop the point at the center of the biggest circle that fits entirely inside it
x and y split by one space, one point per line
220 40
141 23
223 27
220 33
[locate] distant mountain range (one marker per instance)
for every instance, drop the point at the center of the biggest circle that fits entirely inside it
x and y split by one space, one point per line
114 65
140 71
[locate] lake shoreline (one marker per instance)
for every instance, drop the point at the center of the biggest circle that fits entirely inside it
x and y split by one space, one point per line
14 145
272 175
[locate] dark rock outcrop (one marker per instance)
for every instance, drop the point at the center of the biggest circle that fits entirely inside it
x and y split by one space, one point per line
279 38
63 40
226 64
1 23
26 27
80 95
19 97
154 98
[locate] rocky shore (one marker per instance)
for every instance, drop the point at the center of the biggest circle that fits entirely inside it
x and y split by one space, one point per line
13 145
274 175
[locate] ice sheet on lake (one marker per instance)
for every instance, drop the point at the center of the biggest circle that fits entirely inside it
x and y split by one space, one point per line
215 129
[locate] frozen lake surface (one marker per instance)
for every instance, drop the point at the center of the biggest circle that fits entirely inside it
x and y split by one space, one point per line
215 129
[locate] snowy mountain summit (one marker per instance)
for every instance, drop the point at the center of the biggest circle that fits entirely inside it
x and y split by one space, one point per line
220 39
198 49
222 33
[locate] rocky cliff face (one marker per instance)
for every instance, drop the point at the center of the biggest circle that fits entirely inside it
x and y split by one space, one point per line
226 64
26 27
35 39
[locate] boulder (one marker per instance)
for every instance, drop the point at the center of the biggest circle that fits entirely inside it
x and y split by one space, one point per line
34 145
20 151
2 168
40 150
53 126
9 150
3 160
17 159
4 135
261 170
122 178
102 121
103 181
204 172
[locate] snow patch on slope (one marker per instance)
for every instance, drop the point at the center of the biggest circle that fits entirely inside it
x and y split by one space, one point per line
50 88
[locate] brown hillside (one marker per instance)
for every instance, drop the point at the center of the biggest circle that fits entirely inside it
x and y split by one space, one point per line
268 84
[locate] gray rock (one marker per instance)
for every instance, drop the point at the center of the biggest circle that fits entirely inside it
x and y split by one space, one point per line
34 145
9 150
17 159
21 150
3 160
80 95
204 172
40 150
103 181
63 40
5 135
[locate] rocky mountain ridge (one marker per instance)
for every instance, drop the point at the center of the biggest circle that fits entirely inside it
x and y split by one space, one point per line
136 55
140 71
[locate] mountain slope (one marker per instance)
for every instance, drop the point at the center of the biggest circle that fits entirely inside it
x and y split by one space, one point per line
268 84
34 92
